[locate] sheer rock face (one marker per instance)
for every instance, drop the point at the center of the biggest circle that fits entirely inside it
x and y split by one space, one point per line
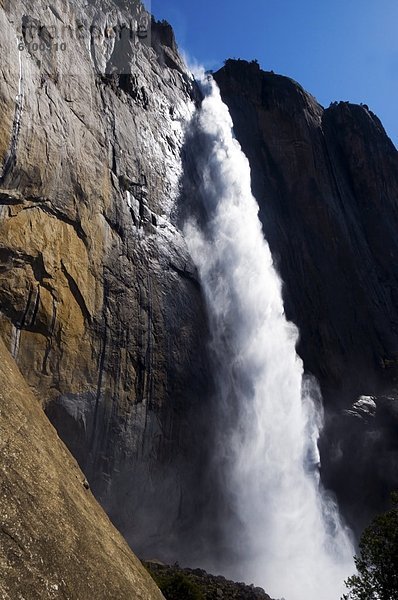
55 540
327 185
99 303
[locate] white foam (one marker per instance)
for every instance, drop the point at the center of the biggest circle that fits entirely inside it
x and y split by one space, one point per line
292 541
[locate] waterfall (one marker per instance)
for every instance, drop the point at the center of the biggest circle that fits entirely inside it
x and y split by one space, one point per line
290 540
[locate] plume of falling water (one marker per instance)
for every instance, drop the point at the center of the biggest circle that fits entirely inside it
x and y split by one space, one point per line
291 539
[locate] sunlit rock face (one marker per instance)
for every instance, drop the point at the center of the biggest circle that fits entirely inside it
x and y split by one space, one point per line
55 540
99 302
327 185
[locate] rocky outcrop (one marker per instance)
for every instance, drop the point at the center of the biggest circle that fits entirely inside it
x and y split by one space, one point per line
327 185
207 587
99 303
55 540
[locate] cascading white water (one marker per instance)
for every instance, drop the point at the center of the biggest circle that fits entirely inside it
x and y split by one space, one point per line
292 541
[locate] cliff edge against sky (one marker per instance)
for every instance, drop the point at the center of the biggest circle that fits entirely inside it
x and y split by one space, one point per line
326 181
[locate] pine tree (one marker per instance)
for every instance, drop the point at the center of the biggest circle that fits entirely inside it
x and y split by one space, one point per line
377 563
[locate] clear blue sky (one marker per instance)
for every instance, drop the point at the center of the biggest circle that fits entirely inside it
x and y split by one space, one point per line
336 49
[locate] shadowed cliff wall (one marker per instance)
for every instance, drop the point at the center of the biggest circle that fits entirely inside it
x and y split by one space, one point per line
327 185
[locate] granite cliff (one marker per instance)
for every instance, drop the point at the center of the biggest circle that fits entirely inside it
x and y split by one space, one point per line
100 306
327 184
55 540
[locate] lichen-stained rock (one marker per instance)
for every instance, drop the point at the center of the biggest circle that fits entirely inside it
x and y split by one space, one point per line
98 299
55 540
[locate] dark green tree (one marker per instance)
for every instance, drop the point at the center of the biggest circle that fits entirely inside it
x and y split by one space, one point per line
177 586
377 563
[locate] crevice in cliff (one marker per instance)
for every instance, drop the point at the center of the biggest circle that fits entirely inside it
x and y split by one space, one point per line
47 207
78 296
137 200
26 322
55 13
77 115
10 197
49 338
185 274
13 538
31 309
101 366
129 84
115 226
149 353
35 308
16 127
15 341
92 49
9 256
25 318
